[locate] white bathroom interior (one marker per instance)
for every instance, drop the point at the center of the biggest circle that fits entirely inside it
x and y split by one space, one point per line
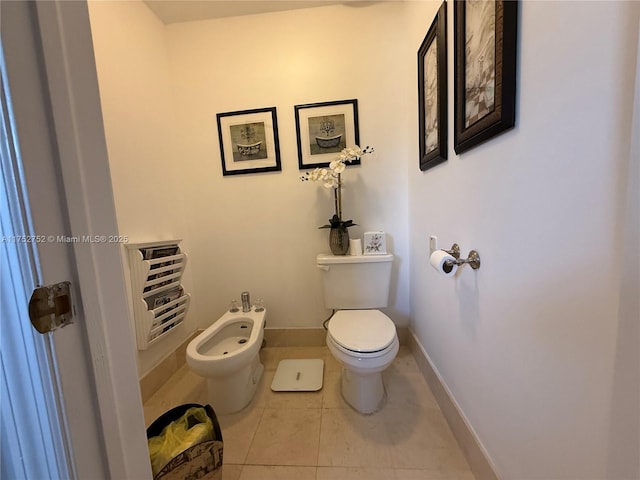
538 349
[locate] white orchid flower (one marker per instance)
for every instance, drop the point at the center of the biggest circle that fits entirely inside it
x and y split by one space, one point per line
315 175
337 166
330 179
330 182
352 153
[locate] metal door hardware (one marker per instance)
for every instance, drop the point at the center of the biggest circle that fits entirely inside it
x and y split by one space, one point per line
50 307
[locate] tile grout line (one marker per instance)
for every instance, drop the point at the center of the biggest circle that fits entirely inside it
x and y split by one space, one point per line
320 429
253 436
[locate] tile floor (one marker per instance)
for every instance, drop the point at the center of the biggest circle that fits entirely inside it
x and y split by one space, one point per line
316 436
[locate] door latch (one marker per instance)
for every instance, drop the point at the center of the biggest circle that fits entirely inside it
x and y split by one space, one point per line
50 307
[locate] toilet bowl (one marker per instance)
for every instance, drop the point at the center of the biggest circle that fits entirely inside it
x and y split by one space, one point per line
227 355
360 337
365 342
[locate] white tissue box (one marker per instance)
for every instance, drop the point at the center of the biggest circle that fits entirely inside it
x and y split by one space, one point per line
375 243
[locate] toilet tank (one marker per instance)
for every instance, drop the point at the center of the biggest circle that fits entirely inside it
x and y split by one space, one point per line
355 282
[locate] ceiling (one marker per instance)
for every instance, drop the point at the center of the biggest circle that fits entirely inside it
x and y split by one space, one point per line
175 11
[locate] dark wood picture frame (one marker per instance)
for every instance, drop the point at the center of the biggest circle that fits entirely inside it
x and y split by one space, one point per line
432 92
485 70
249 141
324 129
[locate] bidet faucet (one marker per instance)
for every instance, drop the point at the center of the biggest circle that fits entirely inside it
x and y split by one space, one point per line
246 303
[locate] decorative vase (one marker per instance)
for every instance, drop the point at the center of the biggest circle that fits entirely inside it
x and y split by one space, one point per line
339 240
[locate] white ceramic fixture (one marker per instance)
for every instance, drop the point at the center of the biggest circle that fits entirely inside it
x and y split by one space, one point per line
227 355
360 337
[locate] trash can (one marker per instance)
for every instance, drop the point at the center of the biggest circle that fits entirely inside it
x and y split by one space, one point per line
185 443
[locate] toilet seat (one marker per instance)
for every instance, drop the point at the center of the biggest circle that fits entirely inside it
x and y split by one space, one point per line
362 331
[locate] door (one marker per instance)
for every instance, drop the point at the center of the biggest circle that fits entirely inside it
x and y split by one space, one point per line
32 422
59 135
30 415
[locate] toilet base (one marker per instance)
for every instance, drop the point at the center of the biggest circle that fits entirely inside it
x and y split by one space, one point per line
231 393
365 393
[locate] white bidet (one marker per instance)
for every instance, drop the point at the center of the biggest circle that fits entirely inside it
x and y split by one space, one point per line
227 355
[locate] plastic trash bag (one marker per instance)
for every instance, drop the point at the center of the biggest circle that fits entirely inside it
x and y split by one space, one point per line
192 428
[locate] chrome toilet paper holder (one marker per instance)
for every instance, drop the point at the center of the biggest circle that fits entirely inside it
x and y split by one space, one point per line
473 259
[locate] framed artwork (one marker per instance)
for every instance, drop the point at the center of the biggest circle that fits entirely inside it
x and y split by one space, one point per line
324 129
249 141
432 92
485 70
375 243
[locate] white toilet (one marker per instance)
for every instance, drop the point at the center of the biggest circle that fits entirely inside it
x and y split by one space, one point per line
227 355
361 338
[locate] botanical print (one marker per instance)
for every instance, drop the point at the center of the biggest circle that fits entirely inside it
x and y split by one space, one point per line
249 141
480 61
327 134
375 243
431 97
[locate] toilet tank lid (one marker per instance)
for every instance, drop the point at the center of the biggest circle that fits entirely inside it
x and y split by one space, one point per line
326 258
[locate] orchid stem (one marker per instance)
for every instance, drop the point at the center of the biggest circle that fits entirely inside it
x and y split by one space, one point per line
337 198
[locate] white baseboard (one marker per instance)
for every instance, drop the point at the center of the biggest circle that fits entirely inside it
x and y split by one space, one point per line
475 453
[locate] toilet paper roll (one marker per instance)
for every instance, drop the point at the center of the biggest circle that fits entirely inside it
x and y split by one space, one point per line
443 263
355 246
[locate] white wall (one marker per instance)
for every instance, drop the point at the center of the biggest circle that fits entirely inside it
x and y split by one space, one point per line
142 140
530 344
259 232
161 89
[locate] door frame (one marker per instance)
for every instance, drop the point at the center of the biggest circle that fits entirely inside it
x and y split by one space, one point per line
67 51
